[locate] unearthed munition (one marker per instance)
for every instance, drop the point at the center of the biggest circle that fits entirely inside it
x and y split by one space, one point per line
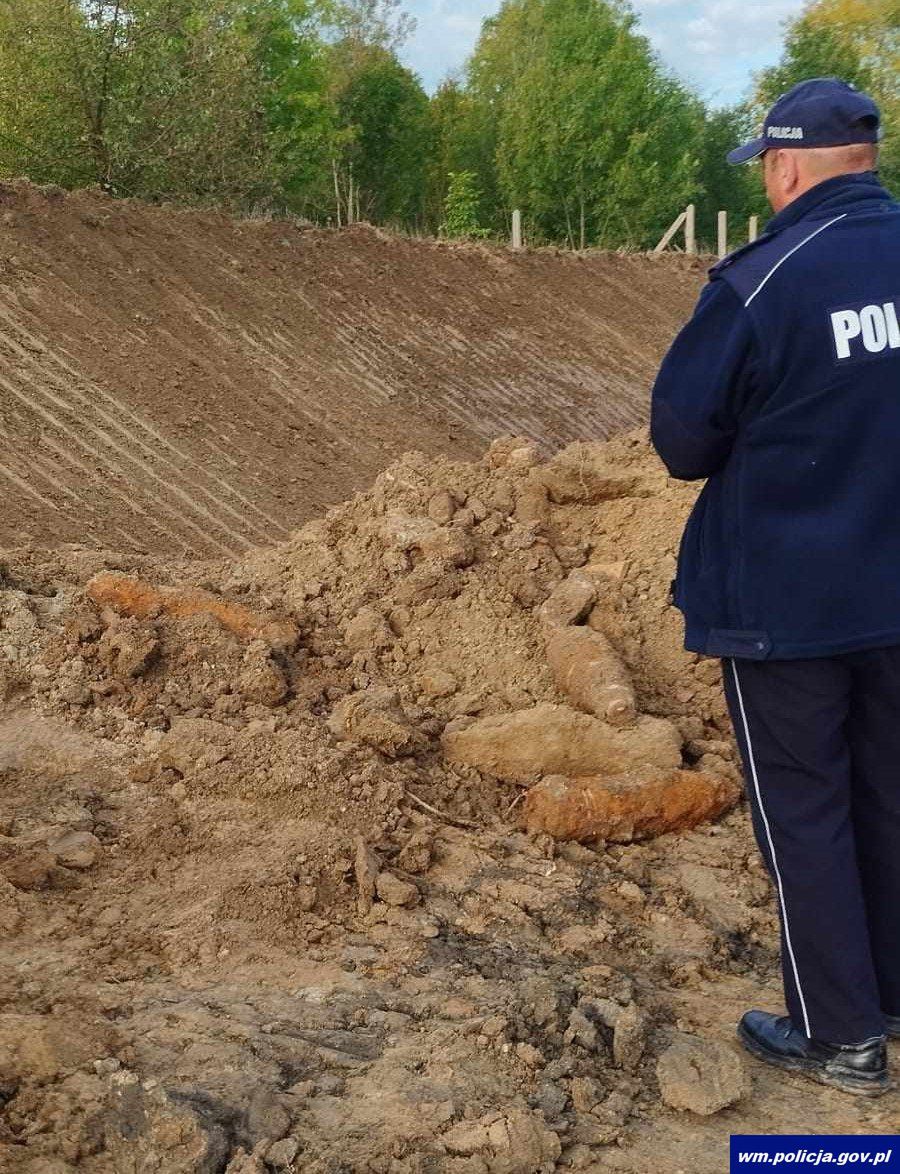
588 670
555 739
136 597
625 809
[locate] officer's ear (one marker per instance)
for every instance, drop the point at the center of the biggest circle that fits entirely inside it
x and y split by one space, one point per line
789 173
783 176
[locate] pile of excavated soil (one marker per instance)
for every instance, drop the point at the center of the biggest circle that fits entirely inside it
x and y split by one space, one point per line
286 877
184 383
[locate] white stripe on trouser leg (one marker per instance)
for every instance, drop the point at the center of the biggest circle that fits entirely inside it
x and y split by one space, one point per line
762 811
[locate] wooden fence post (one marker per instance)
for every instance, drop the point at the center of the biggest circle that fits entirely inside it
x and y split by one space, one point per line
690 230
670 231
516 229
690 234
722 234
337 192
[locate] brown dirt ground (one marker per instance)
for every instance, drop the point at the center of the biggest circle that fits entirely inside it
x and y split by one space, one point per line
179 382
253 919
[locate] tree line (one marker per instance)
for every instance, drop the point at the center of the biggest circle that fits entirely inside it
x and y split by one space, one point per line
304 107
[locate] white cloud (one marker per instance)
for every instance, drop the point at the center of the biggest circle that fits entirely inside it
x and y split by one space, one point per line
716 46
468 25
722 43
446 33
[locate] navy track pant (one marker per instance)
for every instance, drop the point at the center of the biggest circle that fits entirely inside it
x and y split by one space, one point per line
820 742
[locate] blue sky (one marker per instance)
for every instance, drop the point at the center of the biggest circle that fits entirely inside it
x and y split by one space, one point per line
714 45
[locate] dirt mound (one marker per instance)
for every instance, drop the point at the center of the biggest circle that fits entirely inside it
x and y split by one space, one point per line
276 892
184 383
428 622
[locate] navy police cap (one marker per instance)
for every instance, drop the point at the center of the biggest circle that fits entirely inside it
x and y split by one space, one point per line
821 112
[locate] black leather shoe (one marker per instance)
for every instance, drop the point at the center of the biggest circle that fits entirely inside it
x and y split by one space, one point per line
893 1025
856 1068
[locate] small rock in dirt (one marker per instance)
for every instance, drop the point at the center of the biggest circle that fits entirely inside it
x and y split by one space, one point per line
25 868
493 1027
586 1094
615 1109
581 473
631 892
106 1066
592 1132
465 518
450 545
437 683
74 816
368 631
369 717
127 648
516 453
581 1031
40 1048
307 896
266 1117
303 1089
415 855
532 504
577 853
365 867
514 1142
329 1084
244 1163
522 1144
530 1055
441 507
550 1099
568 603
579 1156
562 1066
394 890
466 1137
281 1155
708 671
194 743
10 907
464 704
702 1076
262 681
603 1011
76 695
629 1037
76 849
584 939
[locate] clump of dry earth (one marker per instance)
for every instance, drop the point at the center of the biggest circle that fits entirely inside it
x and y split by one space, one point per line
412 845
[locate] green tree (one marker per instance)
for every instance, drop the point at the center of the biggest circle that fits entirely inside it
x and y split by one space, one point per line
43 126
291 60
381 112
371 22
812 51
195 100
593 140
462 207
458 143
737 190
857 40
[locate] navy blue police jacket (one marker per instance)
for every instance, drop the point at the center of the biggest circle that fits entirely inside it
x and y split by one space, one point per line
784 391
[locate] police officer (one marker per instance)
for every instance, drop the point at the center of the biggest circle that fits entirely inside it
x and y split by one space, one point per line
783 391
